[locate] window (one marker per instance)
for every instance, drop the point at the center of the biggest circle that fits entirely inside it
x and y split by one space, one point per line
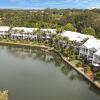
84 50
98 57
91 52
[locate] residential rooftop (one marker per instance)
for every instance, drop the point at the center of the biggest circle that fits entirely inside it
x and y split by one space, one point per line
4 28
97 53
92 43
49 30
30 30
25 29
75 36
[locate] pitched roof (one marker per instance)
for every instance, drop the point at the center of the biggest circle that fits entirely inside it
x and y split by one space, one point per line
92 43
49 30
30 30
97 53
75 36
4 28
25 29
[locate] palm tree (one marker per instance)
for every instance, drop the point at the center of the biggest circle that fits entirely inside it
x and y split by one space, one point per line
44 35
39 35
59 30
10 32
52 38
14 32
28 36
22 32
34 34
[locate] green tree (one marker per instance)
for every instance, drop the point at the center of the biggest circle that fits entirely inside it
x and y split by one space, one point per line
89 31
59 29
69 27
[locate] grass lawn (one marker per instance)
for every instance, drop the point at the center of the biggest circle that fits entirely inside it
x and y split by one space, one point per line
74 62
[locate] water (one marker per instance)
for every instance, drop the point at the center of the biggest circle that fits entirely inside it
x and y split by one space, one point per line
31 74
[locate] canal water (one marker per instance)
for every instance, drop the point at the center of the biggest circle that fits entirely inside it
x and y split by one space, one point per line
31 74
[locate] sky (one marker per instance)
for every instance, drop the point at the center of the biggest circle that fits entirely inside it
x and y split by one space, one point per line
41 4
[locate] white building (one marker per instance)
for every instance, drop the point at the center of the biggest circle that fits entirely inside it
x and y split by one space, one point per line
31 30
89 48
96 58
49 30
27 32
4 30
25 29
75 36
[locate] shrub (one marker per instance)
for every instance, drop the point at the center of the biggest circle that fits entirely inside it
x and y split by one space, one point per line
87 69
77 57
79 64
97 76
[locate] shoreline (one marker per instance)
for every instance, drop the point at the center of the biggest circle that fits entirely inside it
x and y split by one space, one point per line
77 69
95 83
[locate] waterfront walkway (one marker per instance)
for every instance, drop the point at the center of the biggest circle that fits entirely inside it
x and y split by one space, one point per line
96 83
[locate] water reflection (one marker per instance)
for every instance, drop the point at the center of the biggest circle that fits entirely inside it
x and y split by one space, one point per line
49 57
35 54
66 69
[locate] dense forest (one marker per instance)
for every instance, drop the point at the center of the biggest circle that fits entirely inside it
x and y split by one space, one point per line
84 21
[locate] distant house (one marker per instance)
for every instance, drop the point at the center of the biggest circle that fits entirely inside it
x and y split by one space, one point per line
96 58
25 29
48 32
4 30
89 48
25 32
22 32
75 36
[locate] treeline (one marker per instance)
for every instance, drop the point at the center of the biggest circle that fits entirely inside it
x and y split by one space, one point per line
85 21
